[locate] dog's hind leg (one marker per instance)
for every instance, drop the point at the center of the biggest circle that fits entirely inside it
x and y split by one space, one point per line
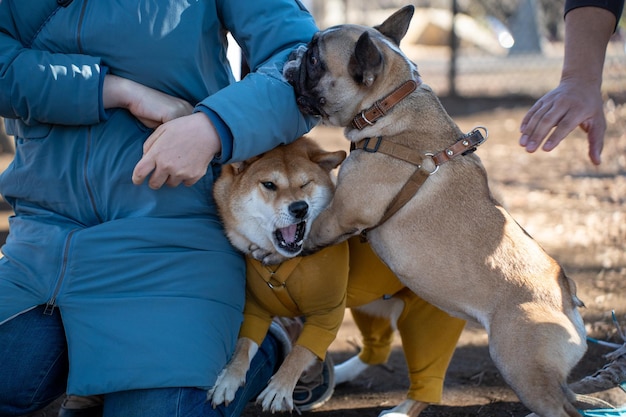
535 353
407 408
349 370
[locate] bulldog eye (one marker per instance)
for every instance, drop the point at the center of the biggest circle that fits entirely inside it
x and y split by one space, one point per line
313 60
269 185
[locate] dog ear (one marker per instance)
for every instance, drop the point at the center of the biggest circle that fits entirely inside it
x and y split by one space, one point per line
238 167
329 160
397 24
367 62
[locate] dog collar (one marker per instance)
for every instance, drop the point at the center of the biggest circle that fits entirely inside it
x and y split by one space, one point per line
381 107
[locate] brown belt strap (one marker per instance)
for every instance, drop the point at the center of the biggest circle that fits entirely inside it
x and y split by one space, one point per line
463 146
381 107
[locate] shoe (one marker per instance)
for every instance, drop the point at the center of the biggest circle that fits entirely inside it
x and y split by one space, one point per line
316 384
286 331
611 375
76 406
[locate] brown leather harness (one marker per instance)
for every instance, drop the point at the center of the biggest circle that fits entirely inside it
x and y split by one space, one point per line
426 164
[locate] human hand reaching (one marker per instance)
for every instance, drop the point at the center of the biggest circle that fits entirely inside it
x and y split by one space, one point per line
569 105
577 100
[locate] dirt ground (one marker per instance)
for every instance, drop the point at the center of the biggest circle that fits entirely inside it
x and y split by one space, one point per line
575 210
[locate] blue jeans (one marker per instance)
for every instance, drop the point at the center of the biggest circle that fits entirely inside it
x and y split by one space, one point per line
34 368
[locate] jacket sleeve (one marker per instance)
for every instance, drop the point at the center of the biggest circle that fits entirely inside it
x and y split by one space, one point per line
43 87
260 111
614 6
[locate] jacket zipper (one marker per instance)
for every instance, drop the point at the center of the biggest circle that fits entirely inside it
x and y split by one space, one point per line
80 27
89 140
51 304
92 200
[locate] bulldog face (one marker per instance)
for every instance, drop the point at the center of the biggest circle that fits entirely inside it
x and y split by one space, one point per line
342 66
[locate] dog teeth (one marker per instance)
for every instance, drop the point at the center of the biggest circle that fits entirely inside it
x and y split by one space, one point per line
290 238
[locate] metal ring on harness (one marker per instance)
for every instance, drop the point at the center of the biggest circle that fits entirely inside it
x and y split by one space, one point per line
273 286
436 166
482 128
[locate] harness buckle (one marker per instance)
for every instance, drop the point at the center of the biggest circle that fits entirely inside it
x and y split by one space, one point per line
479 138
366 142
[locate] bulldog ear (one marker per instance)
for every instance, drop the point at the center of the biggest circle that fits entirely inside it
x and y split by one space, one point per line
367 62
397 24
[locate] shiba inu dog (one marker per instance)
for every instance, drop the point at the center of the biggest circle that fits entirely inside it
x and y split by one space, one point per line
270 202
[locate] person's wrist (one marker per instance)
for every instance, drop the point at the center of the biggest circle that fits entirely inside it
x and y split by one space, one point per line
207 126
115 92
580 81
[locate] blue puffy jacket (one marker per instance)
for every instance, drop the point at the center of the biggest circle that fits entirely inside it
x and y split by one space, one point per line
150 291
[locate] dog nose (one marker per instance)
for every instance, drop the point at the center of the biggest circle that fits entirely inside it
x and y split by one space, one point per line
299 209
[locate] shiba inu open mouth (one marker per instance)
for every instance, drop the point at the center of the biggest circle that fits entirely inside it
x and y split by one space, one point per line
290 238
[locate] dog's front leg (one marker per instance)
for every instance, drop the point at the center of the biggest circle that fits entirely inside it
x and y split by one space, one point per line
265 256
332 226
233 375
278 396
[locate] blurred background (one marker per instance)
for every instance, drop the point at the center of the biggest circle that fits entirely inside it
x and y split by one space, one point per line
481 48
505 50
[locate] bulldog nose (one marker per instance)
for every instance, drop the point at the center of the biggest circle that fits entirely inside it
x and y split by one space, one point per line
299 209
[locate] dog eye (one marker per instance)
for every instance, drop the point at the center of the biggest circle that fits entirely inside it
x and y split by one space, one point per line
269 185
305 184
313 59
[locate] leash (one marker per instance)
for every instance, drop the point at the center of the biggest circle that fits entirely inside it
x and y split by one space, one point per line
427 164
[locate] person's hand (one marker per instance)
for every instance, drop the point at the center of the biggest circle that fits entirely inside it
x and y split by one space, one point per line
150 106
569 105
577 101
178 151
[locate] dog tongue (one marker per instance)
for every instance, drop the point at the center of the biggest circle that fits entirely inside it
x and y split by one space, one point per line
289 233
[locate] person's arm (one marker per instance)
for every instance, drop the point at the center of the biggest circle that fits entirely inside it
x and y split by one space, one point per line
257 113
577 100
41 87
150 106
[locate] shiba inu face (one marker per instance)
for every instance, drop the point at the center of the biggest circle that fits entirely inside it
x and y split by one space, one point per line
276 196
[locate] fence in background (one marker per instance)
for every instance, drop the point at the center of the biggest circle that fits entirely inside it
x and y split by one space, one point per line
482 48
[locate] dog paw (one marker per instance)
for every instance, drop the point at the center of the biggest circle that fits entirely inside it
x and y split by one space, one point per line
225 388
275 399
257 252
266 257
274 259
